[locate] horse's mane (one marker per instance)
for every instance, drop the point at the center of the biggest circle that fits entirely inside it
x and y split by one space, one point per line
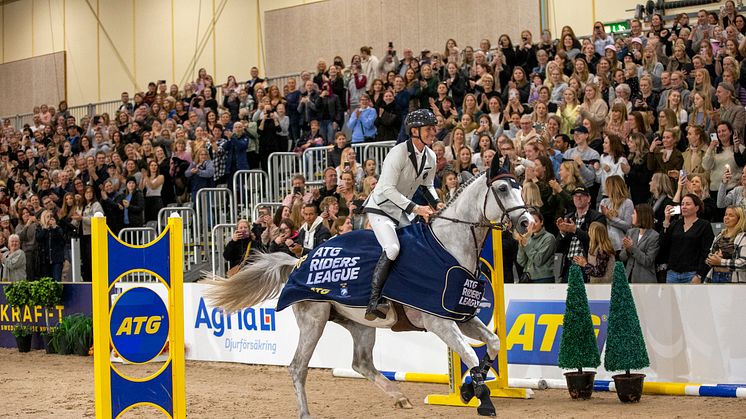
458 192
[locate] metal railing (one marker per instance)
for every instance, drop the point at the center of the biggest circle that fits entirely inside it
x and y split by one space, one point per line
282 166
314 161
375 151
138 236
221 235
214 206
249 188
190 233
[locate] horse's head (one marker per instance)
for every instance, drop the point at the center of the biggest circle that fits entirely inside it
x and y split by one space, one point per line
504 199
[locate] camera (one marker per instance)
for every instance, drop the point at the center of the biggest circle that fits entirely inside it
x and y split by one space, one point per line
297 190
391 51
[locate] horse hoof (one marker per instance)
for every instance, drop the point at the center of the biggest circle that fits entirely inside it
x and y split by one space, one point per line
467 393
404 403
487 411
486 408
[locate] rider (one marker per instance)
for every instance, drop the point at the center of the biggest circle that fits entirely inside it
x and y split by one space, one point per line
407 166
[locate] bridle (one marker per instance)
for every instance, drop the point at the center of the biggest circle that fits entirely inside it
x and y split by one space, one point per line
484 222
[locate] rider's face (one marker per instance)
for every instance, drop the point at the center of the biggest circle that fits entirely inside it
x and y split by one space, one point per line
428 134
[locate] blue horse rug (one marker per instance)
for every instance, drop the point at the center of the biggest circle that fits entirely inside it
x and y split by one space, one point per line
424 276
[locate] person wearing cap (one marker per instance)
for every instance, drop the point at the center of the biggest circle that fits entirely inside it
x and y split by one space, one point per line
407 166
573 239
583 156
729 110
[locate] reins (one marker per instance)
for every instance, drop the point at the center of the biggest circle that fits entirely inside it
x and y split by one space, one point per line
485 223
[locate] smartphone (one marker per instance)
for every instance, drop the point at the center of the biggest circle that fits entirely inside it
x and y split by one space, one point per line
676 210
682 173
297 190
713 137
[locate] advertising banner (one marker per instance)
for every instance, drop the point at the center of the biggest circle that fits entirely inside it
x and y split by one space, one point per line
692 332
76 298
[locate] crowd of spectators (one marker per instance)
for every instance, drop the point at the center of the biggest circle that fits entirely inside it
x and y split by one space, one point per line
628 148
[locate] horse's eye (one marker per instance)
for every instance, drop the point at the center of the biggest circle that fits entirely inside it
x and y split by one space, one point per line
503 188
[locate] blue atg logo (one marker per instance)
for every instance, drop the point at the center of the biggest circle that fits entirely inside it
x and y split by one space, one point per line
535 328
139 325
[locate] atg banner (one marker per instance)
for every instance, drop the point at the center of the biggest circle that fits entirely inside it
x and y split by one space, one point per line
76 298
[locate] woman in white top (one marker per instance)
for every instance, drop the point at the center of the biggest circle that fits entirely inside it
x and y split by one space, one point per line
14 260
152 183
92 206
612 162
618 210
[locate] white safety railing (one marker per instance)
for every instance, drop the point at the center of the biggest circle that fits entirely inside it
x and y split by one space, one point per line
376 151
282 167
190 232
214 206
221 235
138 236
314 163
249 188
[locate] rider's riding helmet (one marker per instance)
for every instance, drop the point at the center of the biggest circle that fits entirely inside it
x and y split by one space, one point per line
419 118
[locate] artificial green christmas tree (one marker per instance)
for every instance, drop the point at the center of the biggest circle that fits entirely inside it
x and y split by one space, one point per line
625 345
578 347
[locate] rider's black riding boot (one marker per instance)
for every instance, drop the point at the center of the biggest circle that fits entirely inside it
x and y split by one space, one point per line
376 310
467 391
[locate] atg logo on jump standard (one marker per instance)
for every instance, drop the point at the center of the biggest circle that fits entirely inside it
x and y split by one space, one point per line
152 325
249 319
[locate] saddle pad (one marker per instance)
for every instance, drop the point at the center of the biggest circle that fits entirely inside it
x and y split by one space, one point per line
424 276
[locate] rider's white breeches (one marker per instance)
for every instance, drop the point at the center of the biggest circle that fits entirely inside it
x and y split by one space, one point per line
385 230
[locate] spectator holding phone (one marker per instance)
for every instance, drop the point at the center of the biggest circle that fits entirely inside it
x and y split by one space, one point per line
286 239
736 196
241 244
688 240
51 241
720 158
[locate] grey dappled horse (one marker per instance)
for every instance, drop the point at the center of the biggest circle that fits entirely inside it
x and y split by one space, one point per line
461 227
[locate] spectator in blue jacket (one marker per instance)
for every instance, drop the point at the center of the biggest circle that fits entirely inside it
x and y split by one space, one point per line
235 152
362 121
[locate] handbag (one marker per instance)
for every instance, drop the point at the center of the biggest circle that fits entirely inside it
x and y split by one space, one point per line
234 270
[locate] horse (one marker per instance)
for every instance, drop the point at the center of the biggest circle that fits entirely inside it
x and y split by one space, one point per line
461 226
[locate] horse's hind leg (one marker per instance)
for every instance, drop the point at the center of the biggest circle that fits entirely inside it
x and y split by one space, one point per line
363 338
311 318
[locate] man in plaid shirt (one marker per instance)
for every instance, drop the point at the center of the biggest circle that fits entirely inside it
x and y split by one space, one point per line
216 148
573 229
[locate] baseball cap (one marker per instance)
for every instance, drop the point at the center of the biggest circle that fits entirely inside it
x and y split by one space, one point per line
611 47
581 190
580 130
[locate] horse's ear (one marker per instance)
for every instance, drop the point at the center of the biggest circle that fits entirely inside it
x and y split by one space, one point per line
494 169
505 169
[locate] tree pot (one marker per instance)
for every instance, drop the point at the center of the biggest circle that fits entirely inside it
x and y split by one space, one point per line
24 343
580 384
629 387
81 349
48 345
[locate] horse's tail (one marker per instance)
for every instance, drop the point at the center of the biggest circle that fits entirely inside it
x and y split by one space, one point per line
259 281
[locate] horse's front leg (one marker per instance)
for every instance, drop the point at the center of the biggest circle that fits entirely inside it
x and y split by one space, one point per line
449 332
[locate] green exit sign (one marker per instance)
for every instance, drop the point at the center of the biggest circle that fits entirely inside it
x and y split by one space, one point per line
614 27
